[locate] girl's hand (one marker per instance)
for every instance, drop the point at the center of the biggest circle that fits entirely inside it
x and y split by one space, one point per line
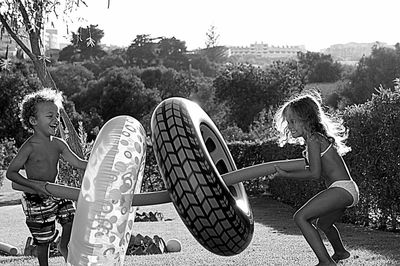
279 172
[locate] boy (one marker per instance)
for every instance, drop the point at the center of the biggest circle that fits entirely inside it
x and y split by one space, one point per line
39 156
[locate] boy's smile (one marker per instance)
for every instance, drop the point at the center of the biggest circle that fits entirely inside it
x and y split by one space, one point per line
47 118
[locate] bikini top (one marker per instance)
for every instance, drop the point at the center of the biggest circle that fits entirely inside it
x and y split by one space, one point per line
305 152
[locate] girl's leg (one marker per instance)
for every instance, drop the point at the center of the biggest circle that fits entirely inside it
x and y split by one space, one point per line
64 240
322 204
326 224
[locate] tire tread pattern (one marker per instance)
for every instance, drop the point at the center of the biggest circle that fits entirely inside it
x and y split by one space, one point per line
205 205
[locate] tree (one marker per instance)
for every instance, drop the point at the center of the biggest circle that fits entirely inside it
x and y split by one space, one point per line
213 51
118 91
381 68
203 64
111 60
204 95
142 52
71 79
212 37
318 67
168 82
85 45
241 88
24 18
247 89
14 84
172 53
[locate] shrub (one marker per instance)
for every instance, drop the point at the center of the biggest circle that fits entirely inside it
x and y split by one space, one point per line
374 161
69 175
7 153
152 180
247 154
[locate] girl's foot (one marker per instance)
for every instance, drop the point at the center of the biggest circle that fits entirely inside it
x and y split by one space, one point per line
340 256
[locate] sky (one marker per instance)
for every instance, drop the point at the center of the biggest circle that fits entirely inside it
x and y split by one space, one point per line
316 24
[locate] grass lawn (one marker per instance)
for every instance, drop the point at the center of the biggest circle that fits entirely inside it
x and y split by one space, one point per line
276 241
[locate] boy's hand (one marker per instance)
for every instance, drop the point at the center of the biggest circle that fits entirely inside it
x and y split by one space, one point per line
40 188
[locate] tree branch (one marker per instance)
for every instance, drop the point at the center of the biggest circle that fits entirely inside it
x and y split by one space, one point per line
25 16
39 18
33 32
16 38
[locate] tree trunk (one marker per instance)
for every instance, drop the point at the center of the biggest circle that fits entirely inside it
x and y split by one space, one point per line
67 130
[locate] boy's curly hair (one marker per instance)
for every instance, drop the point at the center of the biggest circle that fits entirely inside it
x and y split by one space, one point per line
30 101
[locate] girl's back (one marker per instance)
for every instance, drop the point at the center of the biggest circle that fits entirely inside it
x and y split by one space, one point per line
333 165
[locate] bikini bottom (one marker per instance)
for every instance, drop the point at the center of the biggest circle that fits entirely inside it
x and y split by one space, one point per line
351 187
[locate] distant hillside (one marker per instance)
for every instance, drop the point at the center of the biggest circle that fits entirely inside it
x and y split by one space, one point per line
352 51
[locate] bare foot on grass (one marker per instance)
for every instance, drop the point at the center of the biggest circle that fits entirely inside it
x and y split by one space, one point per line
340 256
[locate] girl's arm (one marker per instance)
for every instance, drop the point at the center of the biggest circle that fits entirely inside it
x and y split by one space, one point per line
313 171
70 156
263 169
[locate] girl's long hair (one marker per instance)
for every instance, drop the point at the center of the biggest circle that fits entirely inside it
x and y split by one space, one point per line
308 109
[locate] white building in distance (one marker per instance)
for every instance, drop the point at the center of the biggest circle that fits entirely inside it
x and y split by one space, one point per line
6 42
266 51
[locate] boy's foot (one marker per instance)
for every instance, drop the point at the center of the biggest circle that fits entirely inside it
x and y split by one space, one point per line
340 256
328 263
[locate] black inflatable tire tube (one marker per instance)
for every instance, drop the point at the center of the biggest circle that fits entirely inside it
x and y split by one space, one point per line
192 155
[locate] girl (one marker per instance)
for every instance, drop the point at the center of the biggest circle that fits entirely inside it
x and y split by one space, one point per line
303 119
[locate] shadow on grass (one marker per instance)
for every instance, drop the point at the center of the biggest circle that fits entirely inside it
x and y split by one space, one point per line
279 217
274 214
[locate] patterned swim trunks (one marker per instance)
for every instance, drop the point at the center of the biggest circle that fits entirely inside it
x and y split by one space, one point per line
41 214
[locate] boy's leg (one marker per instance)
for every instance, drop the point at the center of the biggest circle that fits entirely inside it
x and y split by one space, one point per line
43 254
39 220
65 216
322 204
326 224
64 239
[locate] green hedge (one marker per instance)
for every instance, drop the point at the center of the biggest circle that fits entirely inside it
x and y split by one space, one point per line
247 154
292 192
7 153
375 159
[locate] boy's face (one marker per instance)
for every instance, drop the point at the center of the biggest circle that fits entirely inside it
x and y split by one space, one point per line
295 126
46 119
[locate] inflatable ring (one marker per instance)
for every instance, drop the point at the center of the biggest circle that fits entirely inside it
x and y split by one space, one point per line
9 249
104 215
192 156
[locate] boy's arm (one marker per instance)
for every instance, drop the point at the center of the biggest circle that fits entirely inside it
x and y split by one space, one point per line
17 164
70 156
